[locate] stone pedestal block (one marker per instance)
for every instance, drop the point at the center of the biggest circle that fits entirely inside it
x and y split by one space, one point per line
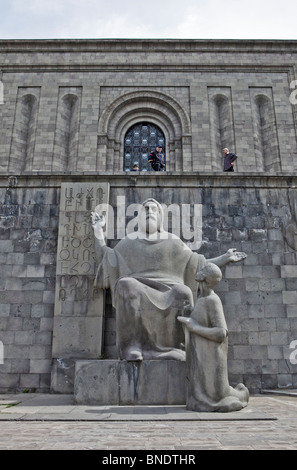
114 382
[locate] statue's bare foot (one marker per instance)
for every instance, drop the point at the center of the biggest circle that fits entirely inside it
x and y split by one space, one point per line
134 355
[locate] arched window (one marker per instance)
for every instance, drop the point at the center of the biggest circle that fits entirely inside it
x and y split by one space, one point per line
140 140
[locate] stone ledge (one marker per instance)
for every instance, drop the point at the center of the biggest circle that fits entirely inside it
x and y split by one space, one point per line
178 179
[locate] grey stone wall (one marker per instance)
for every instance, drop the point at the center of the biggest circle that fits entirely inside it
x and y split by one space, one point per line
29 221
255 214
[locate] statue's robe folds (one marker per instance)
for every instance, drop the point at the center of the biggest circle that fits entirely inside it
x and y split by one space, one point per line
150 280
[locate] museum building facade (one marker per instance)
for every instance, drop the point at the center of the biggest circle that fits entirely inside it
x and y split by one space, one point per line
76 115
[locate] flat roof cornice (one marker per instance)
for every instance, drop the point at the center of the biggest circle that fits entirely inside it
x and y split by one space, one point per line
157 45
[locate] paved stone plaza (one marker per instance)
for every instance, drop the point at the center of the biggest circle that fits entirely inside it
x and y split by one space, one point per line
52 422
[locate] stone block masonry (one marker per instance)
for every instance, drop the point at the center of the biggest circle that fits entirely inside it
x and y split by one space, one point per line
28 254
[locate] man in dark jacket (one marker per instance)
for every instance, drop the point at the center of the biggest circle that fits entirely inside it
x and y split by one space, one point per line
157 159
229 159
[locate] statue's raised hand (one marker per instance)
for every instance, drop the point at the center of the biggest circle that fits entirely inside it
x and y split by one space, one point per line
98 222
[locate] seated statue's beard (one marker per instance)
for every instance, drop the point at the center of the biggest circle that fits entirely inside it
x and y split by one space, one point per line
151 226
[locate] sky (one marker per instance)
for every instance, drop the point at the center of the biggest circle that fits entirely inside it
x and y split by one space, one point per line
148 19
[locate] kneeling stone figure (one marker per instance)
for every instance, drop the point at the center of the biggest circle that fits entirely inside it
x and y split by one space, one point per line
207 348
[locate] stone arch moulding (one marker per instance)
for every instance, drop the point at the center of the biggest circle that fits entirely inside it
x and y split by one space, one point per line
267 141
67 129
147 105
221 123
266 145
24 130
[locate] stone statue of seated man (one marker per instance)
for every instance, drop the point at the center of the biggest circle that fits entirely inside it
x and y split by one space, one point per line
207 349
150 273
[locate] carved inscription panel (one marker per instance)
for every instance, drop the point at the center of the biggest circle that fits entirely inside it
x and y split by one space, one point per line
79 306
76 239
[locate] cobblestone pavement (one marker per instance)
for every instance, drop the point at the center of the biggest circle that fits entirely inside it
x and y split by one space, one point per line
36 425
